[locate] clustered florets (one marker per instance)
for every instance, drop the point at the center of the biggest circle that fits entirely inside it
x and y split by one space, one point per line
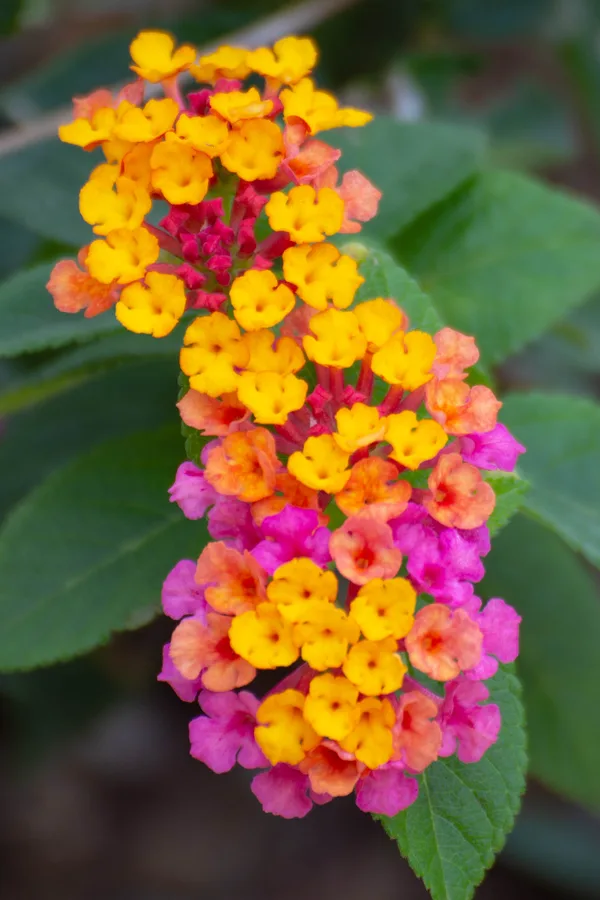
341 477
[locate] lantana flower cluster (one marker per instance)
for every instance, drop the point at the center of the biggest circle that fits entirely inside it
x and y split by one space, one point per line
343 472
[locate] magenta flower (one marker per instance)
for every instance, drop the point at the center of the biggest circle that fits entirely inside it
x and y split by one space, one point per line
181 595
191 492
386 791
289 534
186 690
231 521
499 624
468 728
497 449
284 791
225 735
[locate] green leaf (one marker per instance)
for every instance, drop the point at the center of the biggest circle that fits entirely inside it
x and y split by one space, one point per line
562 436
414 164
504 258
87 550
463 812
510 490
559 662
130 398
29 320
385 278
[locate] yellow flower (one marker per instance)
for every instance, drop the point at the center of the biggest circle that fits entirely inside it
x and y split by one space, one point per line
271 397
413 442
321 464
307 215
283 734
136 164
259 300
331 706
255 150
88 133
384 608
322 273
290 59
284 356
213 350
124 256
319 109
208 134
235 106
375 667
180 172
379 319
154 307
298 582
107 209
338 341
406 359
263 638
141 125
226 62
323 634
155 58
357 427
371 739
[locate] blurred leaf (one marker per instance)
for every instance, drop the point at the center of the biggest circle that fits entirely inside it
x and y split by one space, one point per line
496 19
9 15
127 399
559 663
77 365
17 246
414 164
29 320
39 188
462 815
504 258
89 548
510 490
562 436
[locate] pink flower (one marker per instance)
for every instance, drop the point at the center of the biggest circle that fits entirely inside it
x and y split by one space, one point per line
191 492
181 595
284 791
184 688
499 624
496 449
230 520
225 735
291 533
386 791
465 723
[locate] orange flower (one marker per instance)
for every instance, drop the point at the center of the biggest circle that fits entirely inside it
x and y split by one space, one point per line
459 497
461 409
329 773
197 648
374 485
211 415
290 493
363 549
443 642
244 465
455 353
73 289
417 739
236 581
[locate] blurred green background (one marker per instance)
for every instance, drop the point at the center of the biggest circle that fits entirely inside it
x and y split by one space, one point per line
100 797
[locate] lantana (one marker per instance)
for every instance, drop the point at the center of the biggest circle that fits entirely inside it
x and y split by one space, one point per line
343 474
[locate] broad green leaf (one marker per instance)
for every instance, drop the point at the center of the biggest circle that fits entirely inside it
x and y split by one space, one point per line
29 320
81 363
87 551
562 436
414 164
559 663
504 258
17 246
463 813
129 398
384 277
510 490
